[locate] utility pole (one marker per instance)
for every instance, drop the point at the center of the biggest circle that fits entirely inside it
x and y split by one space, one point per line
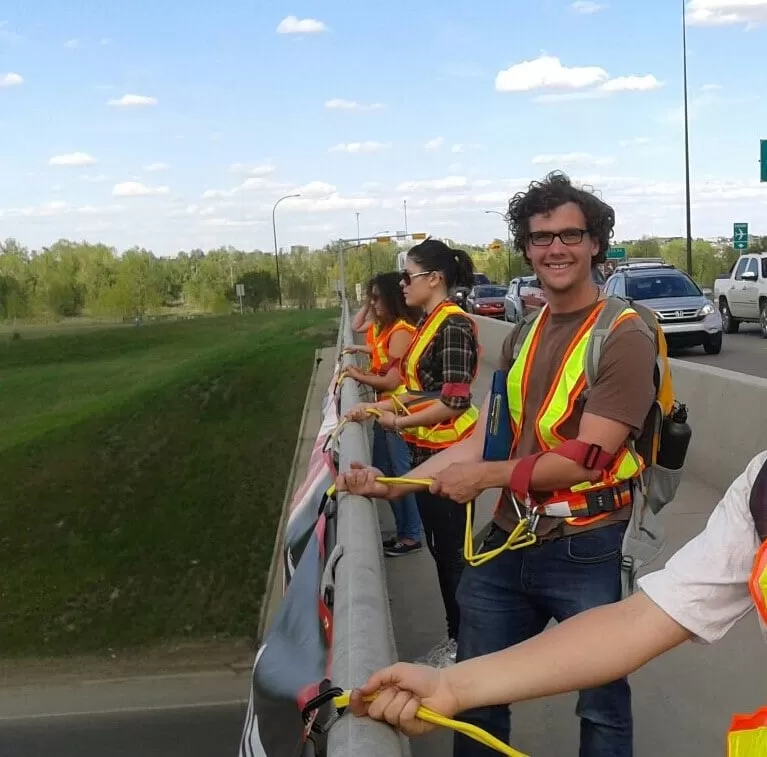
404 207
276 251
686 143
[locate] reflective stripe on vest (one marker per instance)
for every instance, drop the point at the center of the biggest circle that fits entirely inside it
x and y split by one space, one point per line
382 346
747 736
758 583
443 434
560 401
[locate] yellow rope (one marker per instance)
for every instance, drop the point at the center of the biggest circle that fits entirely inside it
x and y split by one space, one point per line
519 538
429 716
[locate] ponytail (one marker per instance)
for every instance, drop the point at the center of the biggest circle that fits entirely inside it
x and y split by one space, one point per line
455 265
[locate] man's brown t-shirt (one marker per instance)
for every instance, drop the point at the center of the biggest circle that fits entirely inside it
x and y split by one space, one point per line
623 391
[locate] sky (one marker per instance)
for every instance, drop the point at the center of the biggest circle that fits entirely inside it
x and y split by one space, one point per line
178 125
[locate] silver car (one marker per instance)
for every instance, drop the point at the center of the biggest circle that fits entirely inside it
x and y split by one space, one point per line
686 315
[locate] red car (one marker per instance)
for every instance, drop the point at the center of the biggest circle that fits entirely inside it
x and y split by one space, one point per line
486 299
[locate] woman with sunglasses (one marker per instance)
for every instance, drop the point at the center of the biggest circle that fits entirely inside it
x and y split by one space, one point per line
395 326
438 370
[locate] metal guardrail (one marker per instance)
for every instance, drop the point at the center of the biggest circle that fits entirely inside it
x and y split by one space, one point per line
363 639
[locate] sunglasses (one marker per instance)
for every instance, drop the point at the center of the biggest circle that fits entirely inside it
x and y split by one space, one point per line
407 278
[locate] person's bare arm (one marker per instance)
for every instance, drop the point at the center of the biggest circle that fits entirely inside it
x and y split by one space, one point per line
362 319
629 633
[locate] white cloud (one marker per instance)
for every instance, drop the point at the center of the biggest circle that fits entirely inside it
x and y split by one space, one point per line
572 159
259 169
339 104
156 167
72 44
317 189
547 72
435 144
587 7
73 159
230 222
359 147
632 84
726 12
636 141
132 101
60 208
11 80
449 182
293 25
137 189
578 83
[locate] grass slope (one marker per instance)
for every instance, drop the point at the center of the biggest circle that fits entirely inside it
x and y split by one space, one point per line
142 475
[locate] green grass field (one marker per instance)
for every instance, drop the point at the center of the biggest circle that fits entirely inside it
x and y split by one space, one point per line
142 472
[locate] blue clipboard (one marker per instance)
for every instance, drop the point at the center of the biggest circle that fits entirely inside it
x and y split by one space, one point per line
498 434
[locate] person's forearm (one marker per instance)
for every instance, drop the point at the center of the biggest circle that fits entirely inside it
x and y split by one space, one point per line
381 383
360 320
551 472
590 649
437 412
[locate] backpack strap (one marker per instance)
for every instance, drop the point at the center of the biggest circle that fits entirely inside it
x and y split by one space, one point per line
758 502
521 332
614 306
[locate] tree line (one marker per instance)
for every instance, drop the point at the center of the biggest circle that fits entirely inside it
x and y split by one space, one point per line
70 279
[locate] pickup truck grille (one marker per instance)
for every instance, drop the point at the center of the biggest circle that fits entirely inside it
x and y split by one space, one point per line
685 315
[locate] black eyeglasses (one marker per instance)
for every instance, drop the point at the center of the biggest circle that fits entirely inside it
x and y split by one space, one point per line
568 237
407 278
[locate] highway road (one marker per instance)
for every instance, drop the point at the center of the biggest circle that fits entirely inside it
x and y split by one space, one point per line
744 352
206 731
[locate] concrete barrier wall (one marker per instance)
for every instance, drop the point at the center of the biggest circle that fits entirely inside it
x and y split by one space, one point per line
727 410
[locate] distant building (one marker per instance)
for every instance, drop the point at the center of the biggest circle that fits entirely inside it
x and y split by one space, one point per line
299 249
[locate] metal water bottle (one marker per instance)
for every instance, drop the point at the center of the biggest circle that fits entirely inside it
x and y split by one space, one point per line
675 435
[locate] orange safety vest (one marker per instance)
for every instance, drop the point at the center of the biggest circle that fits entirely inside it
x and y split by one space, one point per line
371 334
381 361
557 407
747 736
448 432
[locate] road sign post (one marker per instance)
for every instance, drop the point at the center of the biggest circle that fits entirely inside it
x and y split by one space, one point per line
740 236
240 293
763 160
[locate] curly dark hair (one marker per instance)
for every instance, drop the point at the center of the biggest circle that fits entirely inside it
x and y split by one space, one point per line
390 291
551 193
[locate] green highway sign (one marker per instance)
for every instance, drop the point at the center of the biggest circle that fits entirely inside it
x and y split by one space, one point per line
740 236
763 160
616 253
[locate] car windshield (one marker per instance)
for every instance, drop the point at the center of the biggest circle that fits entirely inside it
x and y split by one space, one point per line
490 291
654 286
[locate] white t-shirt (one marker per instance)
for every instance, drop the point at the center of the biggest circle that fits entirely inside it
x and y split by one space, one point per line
704 586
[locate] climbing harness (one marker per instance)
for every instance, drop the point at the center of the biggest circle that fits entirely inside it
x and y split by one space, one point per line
340 700
522 536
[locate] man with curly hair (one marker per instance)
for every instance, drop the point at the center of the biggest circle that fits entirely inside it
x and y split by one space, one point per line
569 449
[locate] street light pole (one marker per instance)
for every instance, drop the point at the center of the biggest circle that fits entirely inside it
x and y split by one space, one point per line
276 251
508 237
686 142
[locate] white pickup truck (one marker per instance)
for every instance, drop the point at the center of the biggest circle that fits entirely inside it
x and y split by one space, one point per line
742 296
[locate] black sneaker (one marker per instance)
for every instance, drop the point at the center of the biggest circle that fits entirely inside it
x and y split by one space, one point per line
398 548
388 543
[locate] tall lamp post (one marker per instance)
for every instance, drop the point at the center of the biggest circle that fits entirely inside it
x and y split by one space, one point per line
686 141
276 251
508 237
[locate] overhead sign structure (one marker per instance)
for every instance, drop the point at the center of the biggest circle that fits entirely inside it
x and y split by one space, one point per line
616 253
740 236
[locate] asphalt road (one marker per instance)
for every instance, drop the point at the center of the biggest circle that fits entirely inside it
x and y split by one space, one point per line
744 352
207 731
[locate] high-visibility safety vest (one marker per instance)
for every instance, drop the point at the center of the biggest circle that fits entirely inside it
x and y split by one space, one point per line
381 361
748 733
559 405
451 431
371 334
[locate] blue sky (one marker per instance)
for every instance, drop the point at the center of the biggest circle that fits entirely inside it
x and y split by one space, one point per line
173 125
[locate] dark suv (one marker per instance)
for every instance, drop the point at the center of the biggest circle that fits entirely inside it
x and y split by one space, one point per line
687 317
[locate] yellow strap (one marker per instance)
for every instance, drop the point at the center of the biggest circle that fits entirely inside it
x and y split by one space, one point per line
519 538
429 716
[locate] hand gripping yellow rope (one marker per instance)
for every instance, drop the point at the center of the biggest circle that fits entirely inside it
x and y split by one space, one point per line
519 538
429 716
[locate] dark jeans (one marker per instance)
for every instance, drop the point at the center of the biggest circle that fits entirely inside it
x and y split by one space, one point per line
444 522
512 597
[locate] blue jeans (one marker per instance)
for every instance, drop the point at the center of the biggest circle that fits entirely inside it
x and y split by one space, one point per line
512 597
392 457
